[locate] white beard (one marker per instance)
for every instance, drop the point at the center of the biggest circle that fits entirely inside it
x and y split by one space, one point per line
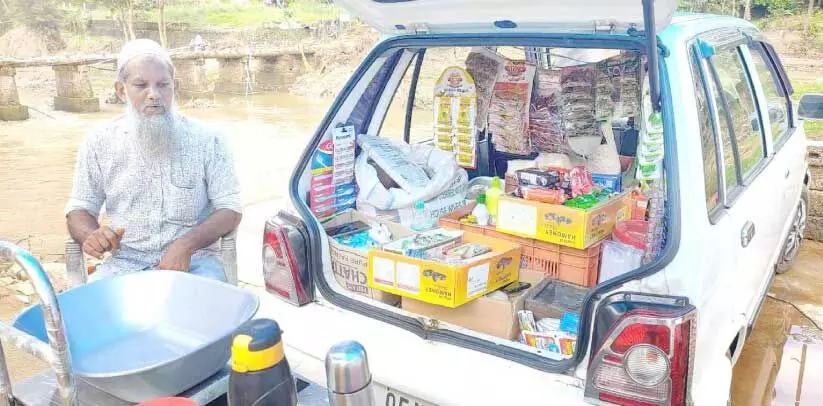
153 134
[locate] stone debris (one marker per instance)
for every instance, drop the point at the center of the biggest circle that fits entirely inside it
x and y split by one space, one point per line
23 299
23 287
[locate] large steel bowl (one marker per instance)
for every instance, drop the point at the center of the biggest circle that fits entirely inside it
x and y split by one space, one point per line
150 334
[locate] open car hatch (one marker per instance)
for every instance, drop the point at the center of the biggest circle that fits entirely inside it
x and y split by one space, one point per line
494 16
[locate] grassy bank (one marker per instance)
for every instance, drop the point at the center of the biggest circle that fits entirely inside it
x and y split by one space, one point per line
814 129
248 15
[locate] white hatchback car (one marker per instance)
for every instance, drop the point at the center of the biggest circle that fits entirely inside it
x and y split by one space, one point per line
667 333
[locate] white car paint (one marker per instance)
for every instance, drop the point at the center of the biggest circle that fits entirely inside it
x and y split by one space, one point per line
725 281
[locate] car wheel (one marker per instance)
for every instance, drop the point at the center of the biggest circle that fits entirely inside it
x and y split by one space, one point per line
791 247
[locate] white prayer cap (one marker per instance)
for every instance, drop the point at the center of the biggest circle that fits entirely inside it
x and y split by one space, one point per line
141 47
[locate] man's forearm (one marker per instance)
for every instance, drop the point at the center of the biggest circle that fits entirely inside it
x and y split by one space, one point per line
218 224
81 224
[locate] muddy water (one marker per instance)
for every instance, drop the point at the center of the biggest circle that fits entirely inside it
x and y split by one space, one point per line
267 133
782 362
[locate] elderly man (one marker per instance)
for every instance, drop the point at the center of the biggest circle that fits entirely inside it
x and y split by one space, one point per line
168 183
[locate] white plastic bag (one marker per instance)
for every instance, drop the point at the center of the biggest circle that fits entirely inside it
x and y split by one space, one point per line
445 192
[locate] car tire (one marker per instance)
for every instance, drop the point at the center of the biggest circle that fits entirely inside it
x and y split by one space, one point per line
791 247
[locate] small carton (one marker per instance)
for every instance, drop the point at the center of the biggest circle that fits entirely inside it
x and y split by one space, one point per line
562 225
487 315
350 265
441 283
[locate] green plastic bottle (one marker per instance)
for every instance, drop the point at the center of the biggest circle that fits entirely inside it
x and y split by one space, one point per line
492 197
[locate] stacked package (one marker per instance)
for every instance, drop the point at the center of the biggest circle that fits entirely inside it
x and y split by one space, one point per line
509 108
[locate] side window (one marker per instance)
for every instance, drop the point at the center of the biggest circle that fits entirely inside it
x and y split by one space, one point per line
740 102
778 102
707 141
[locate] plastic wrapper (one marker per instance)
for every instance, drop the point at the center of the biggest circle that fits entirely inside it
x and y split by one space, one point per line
332 187
581 181
542 194
509 108
546 131
484 66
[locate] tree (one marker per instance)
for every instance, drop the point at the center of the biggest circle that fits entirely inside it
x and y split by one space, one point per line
747 12
808 24
123 12
41 16
161 21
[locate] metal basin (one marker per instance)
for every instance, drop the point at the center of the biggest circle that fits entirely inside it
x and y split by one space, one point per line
149 334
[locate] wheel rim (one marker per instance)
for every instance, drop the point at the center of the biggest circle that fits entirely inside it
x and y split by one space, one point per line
795 237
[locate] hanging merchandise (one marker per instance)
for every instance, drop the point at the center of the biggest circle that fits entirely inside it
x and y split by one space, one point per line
629 84
509 108
545 122
332 187
484 66
455 108
650 147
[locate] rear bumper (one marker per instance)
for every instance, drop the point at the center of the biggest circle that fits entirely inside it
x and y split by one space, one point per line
439 373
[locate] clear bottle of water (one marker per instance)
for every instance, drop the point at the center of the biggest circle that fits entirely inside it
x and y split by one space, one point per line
420 219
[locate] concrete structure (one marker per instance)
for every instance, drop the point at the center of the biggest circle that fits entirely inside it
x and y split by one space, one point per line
236 76
191 79
276 69
10 107
278 72
74 92
814 227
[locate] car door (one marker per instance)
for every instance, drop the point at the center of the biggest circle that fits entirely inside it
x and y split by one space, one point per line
749 200
788 149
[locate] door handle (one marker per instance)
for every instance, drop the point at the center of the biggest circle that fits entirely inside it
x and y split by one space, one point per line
788 172
747 234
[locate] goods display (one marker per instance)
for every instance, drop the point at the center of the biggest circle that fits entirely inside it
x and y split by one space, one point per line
430 267
509 108
484 66
351 235
455 109
332 187
513 259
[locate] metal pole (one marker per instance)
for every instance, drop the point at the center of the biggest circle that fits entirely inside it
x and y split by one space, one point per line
652 54
55 330
348 376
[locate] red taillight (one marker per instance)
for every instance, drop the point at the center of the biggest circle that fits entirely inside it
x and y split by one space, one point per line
644 360
280 267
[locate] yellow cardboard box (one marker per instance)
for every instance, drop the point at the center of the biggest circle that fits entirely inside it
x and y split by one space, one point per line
563 225
443 284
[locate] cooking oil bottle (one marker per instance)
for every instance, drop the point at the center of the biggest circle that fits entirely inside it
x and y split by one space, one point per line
260 374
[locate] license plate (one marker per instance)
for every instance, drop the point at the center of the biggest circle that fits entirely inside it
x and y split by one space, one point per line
385 396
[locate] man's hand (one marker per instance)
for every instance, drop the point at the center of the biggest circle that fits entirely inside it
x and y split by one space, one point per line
102 240
176 258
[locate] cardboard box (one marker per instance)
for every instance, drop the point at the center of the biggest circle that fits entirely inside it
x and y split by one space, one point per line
350 265
562 225
485 315
443 284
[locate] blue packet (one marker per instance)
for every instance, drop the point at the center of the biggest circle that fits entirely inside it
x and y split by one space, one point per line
569 322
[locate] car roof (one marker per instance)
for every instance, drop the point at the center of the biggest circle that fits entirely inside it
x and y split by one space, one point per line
685 26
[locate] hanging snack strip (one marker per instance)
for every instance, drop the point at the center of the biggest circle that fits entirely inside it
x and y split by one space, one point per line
578 101
650 153
509 108
455 102
484 66
545 121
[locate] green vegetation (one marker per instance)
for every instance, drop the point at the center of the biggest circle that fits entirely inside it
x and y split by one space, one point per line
228 15
814 129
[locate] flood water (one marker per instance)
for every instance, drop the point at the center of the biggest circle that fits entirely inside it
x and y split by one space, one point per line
782 363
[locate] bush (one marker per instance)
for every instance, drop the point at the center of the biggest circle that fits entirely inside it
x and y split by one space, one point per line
43 17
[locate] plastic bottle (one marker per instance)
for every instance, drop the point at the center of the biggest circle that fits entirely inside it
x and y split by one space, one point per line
260 374
480 211
492 197
421 220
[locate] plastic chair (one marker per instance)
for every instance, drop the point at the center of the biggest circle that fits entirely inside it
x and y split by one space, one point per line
78 273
